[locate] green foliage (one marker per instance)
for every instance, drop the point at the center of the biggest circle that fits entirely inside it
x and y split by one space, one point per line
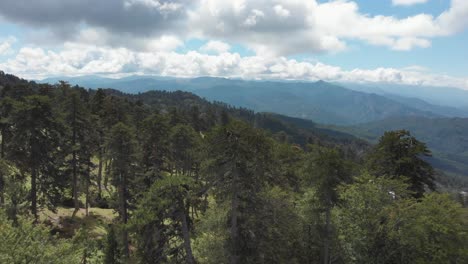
28 243
155 149
14 193
158 220
434 230
398 154
446 137
238 167
278 229
112 250
361 216
238 156
325 169
35 148
185 143
378 221
122 149
200 182
209 244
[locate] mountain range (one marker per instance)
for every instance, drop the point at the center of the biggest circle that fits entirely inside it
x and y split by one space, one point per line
318 101
365 111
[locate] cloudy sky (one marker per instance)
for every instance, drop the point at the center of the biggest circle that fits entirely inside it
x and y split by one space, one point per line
422 42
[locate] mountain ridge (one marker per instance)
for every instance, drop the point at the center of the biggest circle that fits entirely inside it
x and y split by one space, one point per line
319 101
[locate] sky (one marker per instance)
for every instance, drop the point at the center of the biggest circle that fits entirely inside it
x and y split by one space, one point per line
416 42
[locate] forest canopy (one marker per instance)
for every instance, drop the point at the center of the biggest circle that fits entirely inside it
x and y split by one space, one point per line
98 176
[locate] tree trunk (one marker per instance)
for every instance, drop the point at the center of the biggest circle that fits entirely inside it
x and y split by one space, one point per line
85 256
2 193
34 194
75 185
124 216
326 242
234 231
2 180
106 175
2 147
186 234
75 175
99 176
88 181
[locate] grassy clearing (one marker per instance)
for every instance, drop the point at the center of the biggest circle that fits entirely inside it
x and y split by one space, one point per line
62 223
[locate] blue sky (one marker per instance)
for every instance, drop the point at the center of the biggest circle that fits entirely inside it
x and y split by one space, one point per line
420 42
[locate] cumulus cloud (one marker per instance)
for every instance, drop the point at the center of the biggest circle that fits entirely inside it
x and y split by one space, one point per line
215 47
343 20
78 59
287 27
5 45
119 37
408 2
281 11
261 25
269 27
126 18
154 4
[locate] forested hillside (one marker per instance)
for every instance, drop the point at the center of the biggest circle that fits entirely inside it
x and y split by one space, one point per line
446 137
320 101
367 112
99 176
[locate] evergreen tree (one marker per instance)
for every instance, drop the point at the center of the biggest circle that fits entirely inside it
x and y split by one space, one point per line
122 148
184 142
36 139
112 253
155 150
325 169
398 154
81 142
7 105
162 221
238 167
96 105
23 242
362 216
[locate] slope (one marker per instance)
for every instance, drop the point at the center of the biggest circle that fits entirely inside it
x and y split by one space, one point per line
320 101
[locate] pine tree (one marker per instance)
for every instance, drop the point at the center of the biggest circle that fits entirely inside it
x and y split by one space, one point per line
161 221
398 154
325 169
122 148
37 136
155 150
238 167
80 139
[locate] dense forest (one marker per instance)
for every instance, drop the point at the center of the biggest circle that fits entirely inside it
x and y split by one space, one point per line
99 176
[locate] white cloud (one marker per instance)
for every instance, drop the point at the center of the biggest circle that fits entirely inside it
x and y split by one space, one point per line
100 37
270 27
408 2
5 45
296 26
257 25
126 43
216 47
281 11
455 19
254 16
78 59
406 44
164 6
416 68
164 43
